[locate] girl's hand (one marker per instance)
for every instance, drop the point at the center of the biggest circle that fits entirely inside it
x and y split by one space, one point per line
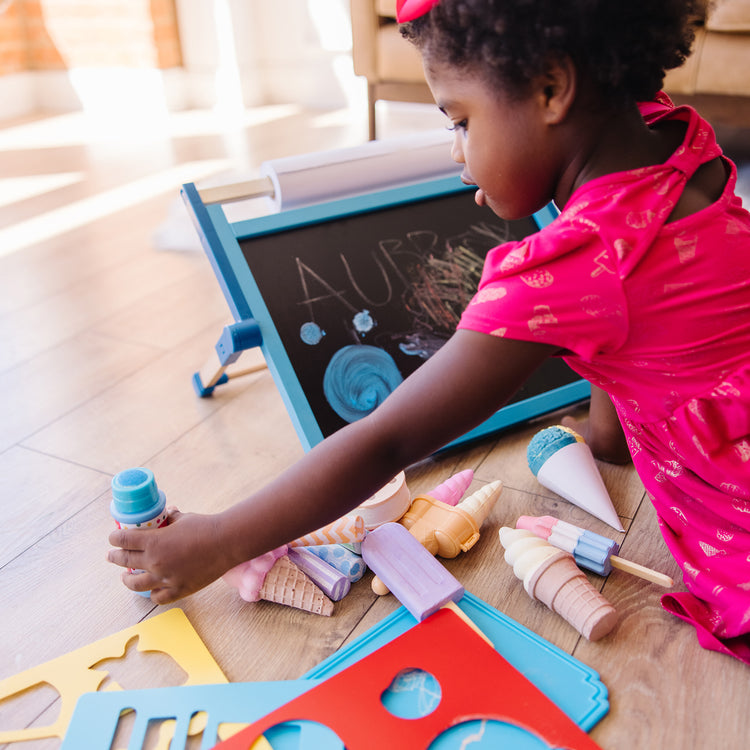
177 559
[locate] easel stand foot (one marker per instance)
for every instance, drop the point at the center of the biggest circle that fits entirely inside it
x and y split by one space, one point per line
234 340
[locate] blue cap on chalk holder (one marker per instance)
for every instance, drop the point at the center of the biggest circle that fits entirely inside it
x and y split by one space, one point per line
134 490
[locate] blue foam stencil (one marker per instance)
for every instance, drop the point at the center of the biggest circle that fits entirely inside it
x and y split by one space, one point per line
573 686
96 716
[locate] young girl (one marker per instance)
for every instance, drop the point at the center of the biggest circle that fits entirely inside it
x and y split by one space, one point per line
642 284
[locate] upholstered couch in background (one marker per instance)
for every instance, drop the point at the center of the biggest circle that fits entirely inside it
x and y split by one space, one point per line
716 76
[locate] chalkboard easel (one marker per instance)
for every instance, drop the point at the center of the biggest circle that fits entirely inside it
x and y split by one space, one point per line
347 298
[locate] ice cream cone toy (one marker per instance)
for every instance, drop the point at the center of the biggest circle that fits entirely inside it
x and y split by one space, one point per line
445 530
592 551
453 489
345 530
389 503
275 578
552 576
560 459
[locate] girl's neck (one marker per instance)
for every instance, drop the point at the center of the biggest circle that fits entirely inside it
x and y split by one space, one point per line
618 140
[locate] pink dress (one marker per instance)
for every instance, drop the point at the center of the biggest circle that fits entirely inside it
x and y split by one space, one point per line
658 315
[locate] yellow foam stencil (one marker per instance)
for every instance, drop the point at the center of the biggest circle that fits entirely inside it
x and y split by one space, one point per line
74 674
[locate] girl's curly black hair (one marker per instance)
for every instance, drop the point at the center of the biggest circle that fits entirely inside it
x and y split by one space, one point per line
624 47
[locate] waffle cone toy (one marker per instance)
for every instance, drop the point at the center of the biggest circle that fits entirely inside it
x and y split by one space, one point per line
552 576
286 584
275 578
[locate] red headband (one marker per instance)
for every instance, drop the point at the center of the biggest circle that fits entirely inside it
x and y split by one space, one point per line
408 10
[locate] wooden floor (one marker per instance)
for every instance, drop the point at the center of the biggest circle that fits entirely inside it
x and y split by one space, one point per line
100 333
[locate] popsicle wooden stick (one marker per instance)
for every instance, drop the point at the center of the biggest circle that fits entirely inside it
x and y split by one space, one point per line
648 574
451 605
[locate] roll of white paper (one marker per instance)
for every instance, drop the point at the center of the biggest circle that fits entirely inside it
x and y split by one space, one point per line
341 173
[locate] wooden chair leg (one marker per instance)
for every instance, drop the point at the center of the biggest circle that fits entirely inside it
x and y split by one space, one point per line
371 111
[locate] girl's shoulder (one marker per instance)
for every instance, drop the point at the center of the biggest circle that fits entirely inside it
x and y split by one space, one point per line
575 234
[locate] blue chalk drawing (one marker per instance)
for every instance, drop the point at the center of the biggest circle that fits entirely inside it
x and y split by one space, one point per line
311 333
363 322
421 344
358 379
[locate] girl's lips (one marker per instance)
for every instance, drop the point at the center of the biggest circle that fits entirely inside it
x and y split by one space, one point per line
479 196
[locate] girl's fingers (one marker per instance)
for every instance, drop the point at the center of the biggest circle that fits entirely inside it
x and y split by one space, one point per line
136 539
140 581
133 540
125 558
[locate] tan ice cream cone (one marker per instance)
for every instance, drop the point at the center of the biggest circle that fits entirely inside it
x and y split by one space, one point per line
560 584
479 505
551 575
286 584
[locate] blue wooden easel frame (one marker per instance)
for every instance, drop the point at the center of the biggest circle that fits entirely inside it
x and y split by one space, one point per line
254 325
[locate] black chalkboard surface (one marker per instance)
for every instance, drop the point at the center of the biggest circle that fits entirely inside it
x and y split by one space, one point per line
352 296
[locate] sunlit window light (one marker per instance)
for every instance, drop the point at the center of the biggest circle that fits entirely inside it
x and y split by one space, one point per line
17 189
53 223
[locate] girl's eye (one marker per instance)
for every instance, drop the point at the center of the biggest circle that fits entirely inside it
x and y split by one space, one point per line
462 125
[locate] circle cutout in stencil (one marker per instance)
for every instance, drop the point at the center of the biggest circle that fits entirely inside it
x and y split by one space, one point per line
413 694
487 733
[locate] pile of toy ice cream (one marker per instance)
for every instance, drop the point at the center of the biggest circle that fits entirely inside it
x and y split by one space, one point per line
547 554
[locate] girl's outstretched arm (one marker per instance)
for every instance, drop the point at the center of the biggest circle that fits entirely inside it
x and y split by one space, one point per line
459 387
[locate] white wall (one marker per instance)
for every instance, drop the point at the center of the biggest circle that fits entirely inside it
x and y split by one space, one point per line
273 52
236 53
304 53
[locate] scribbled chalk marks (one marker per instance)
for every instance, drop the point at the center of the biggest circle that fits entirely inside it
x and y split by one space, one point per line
434 277
440 289
429 276
358 379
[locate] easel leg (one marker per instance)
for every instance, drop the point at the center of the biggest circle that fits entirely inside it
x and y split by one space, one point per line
234 339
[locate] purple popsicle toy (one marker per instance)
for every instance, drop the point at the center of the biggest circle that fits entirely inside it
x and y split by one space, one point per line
416 578
592 551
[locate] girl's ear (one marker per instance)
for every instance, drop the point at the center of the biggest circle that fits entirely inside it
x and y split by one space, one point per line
558 87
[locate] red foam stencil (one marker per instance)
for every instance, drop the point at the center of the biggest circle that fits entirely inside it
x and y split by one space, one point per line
476 683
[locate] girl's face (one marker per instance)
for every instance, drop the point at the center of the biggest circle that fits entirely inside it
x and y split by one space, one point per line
503 142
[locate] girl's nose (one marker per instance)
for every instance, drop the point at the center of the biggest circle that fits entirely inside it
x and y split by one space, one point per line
457 150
